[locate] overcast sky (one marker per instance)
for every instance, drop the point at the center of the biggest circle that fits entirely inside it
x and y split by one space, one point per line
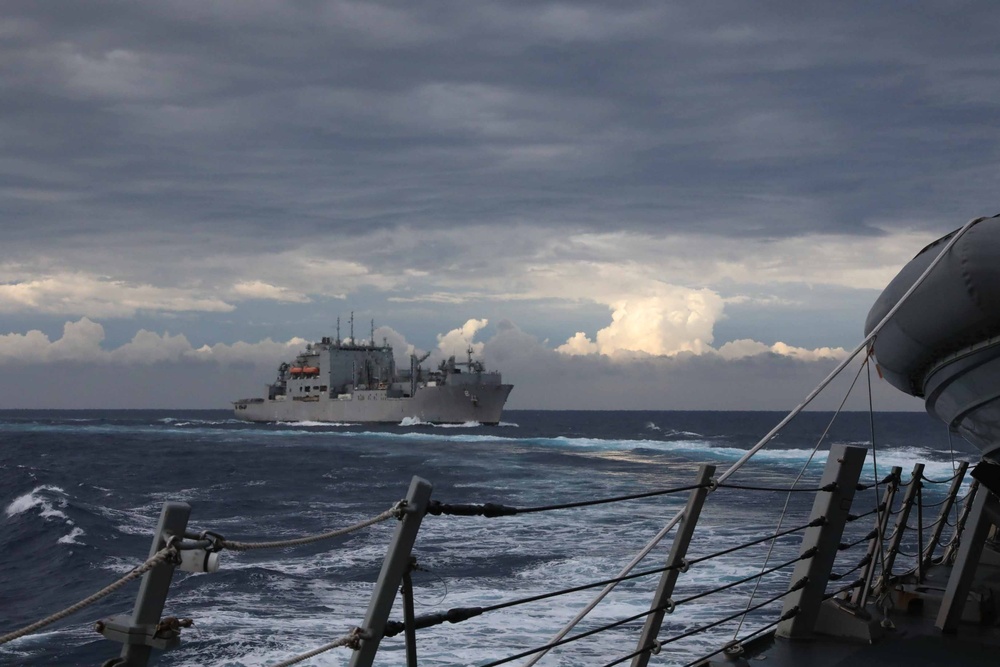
627 204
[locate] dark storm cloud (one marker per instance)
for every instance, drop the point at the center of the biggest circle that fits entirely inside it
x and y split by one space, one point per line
240 126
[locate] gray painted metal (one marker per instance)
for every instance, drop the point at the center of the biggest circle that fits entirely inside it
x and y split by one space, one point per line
963 518
900 528
843 467
154 587
943 344
985 507
932 543
860 596
335 381
677 553
395 565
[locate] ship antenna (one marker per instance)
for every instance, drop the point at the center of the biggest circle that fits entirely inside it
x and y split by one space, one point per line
371 341
352 327
338 331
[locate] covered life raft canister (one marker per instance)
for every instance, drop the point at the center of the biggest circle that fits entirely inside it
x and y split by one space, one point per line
943 344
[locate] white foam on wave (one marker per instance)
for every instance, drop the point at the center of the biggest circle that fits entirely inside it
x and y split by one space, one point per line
71 537
307 422
44 498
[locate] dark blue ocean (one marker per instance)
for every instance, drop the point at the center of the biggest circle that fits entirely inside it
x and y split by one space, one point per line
80 493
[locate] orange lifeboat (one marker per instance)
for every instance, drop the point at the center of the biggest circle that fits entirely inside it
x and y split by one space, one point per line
309 370
295 370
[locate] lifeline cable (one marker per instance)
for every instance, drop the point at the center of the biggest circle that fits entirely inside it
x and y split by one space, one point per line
774 431
493 510
690 633
788 498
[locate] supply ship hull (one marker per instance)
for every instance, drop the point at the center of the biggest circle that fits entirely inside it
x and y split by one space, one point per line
445 405
340 381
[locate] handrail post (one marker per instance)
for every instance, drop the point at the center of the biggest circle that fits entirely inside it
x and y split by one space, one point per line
138 633
956 538
860 597
843 469
900 529
675 562
395 565
956 484
985 509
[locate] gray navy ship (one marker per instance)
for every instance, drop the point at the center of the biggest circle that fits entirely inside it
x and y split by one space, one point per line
343 381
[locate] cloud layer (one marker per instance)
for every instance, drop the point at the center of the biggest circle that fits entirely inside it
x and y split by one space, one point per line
725 182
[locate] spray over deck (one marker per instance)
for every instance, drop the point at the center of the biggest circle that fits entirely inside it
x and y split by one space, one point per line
338 380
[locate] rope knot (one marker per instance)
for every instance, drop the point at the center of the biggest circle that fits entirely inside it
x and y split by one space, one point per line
399 509
353 640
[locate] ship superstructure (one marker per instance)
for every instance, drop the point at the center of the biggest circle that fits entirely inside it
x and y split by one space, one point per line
338 380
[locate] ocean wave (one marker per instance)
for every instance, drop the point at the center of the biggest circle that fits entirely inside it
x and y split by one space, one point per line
46 498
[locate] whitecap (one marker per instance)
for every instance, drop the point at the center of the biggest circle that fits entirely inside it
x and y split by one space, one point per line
71 537
37 498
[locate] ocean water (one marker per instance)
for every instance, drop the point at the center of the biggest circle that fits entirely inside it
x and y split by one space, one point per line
80 493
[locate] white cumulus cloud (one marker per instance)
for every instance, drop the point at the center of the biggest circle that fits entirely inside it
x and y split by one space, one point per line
457 341
258 289
81 341
97 296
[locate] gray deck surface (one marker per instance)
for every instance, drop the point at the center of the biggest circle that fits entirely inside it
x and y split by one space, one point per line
914 642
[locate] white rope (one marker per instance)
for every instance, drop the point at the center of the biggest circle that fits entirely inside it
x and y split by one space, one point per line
351 640
766 439
157 558
298 541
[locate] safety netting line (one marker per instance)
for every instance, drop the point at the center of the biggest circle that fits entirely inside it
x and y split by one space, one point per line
659 643
926 527
855 584
854 517
161 556
396 511
904 554
815 522
940 481
937 504
352 640
493 510
861 563
872 485
791 613
832 486
870 535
